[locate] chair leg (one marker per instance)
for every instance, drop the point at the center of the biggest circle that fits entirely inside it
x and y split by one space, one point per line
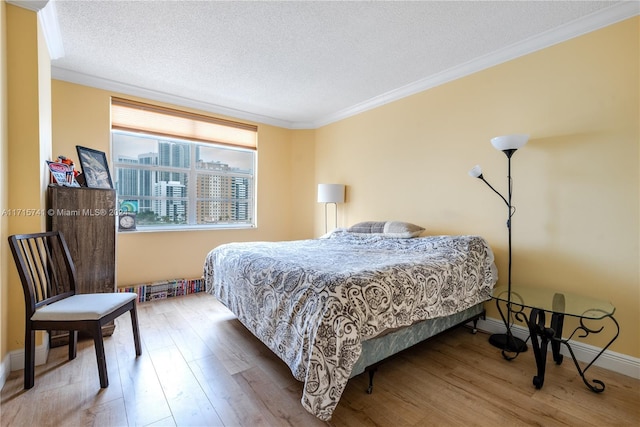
73 344
100 357
29 357
136 329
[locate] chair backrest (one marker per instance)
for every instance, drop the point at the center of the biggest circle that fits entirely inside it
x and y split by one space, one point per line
45 267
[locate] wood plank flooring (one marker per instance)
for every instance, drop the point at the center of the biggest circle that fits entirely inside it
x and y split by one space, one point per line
201 367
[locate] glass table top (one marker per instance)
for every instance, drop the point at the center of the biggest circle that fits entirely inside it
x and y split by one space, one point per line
558 302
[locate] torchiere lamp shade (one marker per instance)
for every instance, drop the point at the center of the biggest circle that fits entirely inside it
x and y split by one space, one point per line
509 142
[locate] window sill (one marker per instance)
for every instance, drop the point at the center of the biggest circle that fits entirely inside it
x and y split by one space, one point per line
173 228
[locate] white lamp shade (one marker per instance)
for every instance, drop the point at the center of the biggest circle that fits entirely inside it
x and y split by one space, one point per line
475 171
330 193
509 142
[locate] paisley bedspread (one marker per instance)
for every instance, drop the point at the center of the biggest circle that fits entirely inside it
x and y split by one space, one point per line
313 302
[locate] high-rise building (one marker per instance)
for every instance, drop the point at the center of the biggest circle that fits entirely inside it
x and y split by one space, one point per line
127 179
169 205
147 180
173 154
216 187
240 192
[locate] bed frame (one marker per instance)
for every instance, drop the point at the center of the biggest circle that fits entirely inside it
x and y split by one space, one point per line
377 350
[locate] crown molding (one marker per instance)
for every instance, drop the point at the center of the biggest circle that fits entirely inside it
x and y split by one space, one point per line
127 89
584 25
51 29
611 15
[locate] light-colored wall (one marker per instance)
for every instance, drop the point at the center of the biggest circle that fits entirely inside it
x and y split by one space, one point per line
28 145
285 162
4 193
575 184
303 184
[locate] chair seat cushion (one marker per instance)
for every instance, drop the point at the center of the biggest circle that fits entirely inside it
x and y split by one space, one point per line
83 306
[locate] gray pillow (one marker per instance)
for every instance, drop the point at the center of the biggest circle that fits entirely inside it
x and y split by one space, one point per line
396 229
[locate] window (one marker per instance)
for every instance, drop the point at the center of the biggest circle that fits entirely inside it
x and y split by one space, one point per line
180 170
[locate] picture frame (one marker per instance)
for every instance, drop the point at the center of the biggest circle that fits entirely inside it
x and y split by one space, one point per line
95 168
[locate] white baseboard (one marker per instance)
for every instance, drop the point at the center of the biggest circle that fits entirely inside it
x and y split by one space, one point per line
5 369
42 352
617 362
14 360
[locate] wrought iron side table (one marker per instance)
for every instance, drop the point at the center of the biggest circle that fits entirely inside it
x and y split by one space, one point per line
541 301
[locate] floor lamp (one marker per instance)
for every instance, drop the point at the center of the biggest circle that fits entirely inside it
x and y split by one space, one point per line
508 144
330 193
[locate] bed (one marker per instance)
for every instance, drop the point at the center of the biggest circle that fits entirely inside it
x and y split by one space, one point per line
331 307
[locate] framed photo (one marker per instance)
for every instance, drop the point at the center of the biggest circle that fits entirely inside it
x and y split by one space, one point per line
94 167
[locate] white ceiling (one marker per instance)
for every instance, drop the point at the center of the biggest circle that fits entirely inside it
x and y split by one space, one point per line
301 64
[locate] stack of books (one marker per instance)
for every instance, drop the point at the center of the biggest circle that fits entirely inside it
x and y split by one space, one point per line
165 289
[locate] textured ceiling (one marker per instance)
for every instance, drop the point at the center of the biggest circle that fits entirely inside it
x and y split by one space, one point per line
297 64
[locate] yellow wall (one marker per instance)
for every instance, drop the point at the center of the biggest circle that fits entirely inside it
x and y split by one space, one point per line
4 194
81 117
303 184
576 183
28 145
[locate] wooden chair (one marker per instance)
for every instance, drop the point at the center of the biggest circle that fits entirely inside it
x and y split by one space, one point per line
49 283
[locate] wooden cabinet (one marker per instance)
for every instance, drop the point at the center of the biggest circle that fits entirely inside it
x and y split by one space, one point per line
87 219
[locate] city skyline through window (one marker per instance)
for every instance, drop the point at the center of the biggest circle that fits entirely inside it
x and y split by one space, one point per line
175 183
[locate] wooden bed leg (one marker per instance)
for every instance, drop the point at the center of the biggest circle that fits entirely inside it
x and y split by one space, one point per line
372 372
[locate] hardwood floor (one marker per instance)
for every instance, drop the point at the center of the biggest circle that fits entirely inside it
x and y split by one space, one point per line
201 367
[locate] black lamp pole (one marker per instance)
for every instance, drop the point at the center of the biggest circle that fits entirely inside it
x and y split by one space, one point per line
506 341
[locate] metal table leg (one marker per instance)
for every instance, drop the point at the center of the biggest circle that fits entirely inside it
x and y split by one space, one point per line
540 337
597 386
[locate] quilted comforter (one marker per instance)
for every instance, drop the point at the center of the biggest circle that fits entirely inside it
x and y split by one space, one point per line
313 302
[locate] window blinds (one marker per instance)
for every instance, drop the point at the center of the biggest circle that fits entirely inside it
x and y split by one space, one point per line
134 116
